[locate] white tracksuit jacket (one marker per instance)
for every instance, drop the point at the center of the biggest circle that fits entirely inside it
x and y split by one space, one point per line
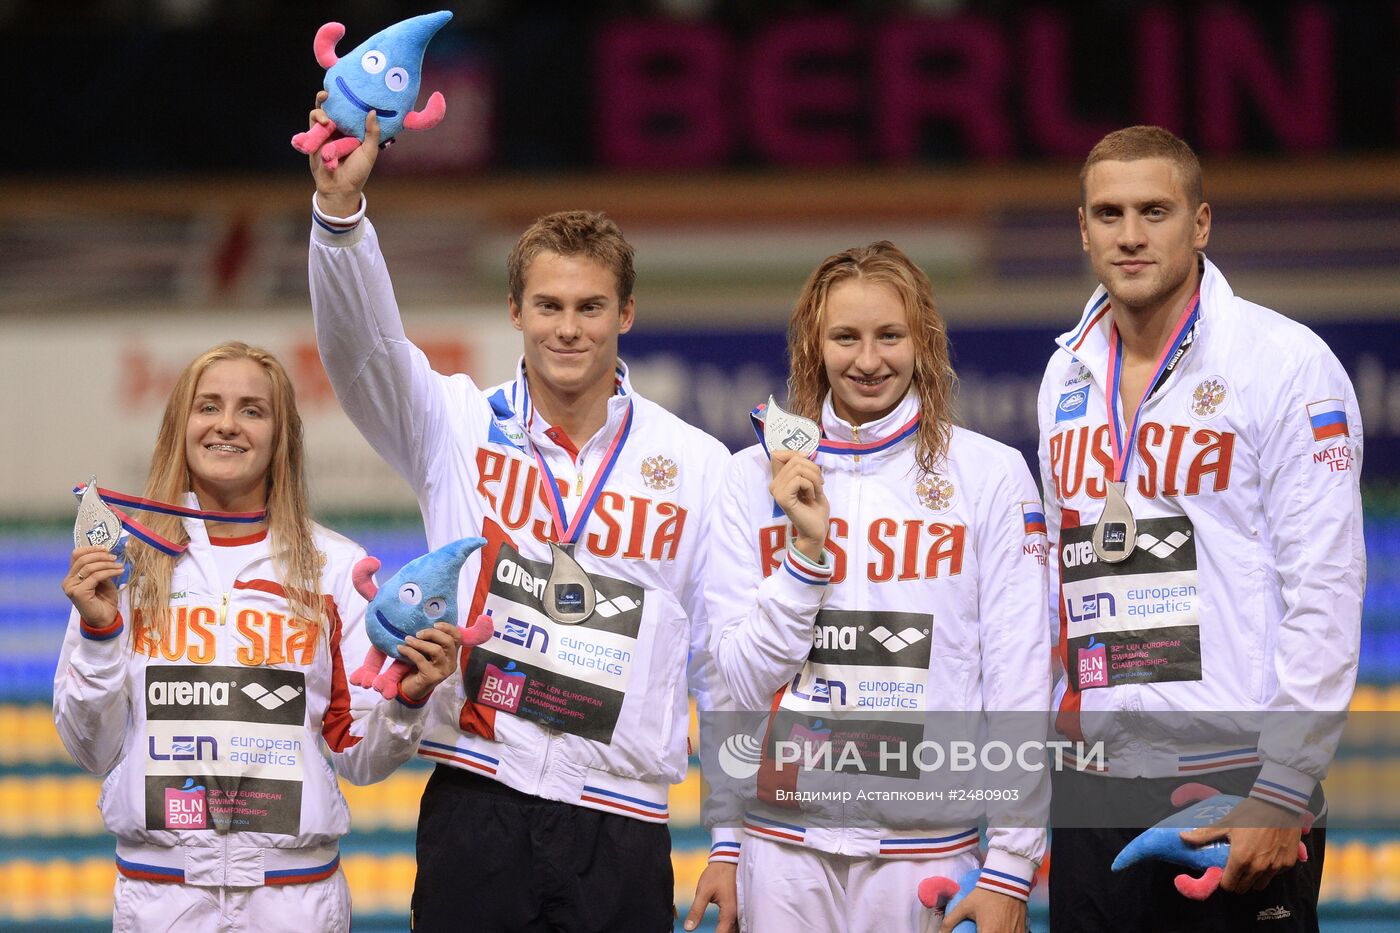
1244 592
927 601
595 714
230 715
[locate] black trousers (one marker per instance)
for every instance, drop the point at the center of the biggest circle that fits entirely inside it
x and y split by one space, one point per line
1087 897
494 860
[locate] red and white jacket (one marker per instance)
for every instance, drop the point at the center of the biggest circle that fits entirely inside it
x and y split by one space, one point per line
927 599
240 716
1243 594
595 714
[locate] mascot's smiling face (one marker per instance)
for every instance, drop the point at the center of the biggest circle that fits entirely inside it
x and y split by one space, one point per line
423 592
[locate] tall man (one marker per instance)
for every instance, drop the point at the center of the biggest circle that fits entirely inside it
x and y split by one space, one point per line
1200 457
548 806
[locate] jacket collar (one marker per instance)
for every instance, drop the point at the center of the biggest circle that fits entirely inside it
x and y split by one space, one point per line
514 403
1087 341
879 438
195 527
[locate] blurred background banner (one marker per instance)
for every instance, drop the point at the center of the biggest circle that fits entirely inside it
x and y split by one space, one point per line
151 205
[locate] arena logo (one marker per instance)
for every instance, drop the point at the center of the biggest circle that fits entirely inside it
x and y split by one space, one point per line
272 699
512 574
188 693
842 637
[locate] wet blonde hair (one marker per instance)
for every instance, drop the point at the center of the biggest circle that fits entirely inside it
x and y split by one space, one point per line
294 550
934 380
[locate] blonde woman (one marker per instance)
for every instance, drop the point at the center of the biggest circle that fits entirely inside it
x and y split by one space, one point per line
902 569
210 688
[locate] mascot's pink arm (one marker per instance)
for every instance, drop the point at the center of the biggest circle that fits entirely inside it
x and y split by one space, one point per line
326 38
430 116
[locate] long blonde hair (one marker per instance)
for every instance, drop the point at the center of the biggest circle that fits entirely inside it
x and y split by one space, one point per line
288 514
934 379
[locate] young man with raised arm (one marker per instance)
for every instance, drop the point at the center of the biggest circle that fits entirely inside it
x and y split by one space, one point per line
555 754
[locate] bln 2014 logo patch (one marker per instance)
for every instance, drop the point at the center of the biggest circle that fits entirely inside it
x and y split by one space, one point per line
1208 398
503 688
935 492
186 807
659 472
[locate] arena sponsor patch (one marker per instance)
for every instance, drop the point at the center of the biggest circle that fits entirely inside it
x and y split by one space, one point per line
235 694
224 747
1137 621
1073 404
567 677
860 661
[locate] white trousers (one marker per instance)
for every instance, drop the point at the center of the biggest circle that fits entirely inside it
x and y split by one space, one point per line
793 889
155 907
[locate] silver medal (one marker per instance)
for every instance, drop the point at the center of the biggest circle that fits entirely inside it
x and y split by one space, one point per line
1116 533
97 525
568 593
782 430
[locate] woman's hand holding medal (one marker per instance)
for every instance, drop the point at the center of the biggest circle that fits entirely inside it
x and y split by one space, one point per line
797 488
91 584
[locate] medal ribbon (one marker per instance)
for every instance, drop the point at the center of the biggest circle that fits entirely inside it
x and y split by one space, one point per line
569 532
159 542
844 448
1172 354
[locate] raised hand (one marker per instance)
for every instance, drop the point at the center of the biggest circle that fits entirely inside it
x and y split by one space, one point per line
797 488
338 190
91 585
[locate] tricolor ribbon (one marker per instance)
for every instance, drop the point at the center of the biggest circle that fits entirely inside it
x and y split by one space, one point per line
142 533
569 532
1122 447
828 446
843 448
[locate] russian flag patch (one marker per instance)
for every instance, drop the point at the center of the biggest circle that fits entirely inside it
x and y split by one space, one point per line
1033 517
1328 419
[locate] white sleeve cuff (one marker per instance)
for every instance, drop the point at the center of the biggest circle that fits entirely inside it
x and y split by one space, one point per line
1283 786
1007 874
804 569
337 231
724 845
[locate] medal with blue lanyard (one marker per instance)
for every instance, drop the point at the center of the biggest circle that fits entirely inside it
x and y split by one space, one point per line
101 521
569 596
1115 535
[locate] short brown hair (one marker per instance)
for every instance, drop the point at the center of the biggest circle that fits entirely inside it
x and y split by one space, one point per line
573 233
1147 142
934 380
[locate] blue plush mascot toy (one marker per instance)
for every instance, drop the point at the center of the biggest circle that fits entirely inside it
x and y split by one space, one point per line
1204 805
423 592
382 74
